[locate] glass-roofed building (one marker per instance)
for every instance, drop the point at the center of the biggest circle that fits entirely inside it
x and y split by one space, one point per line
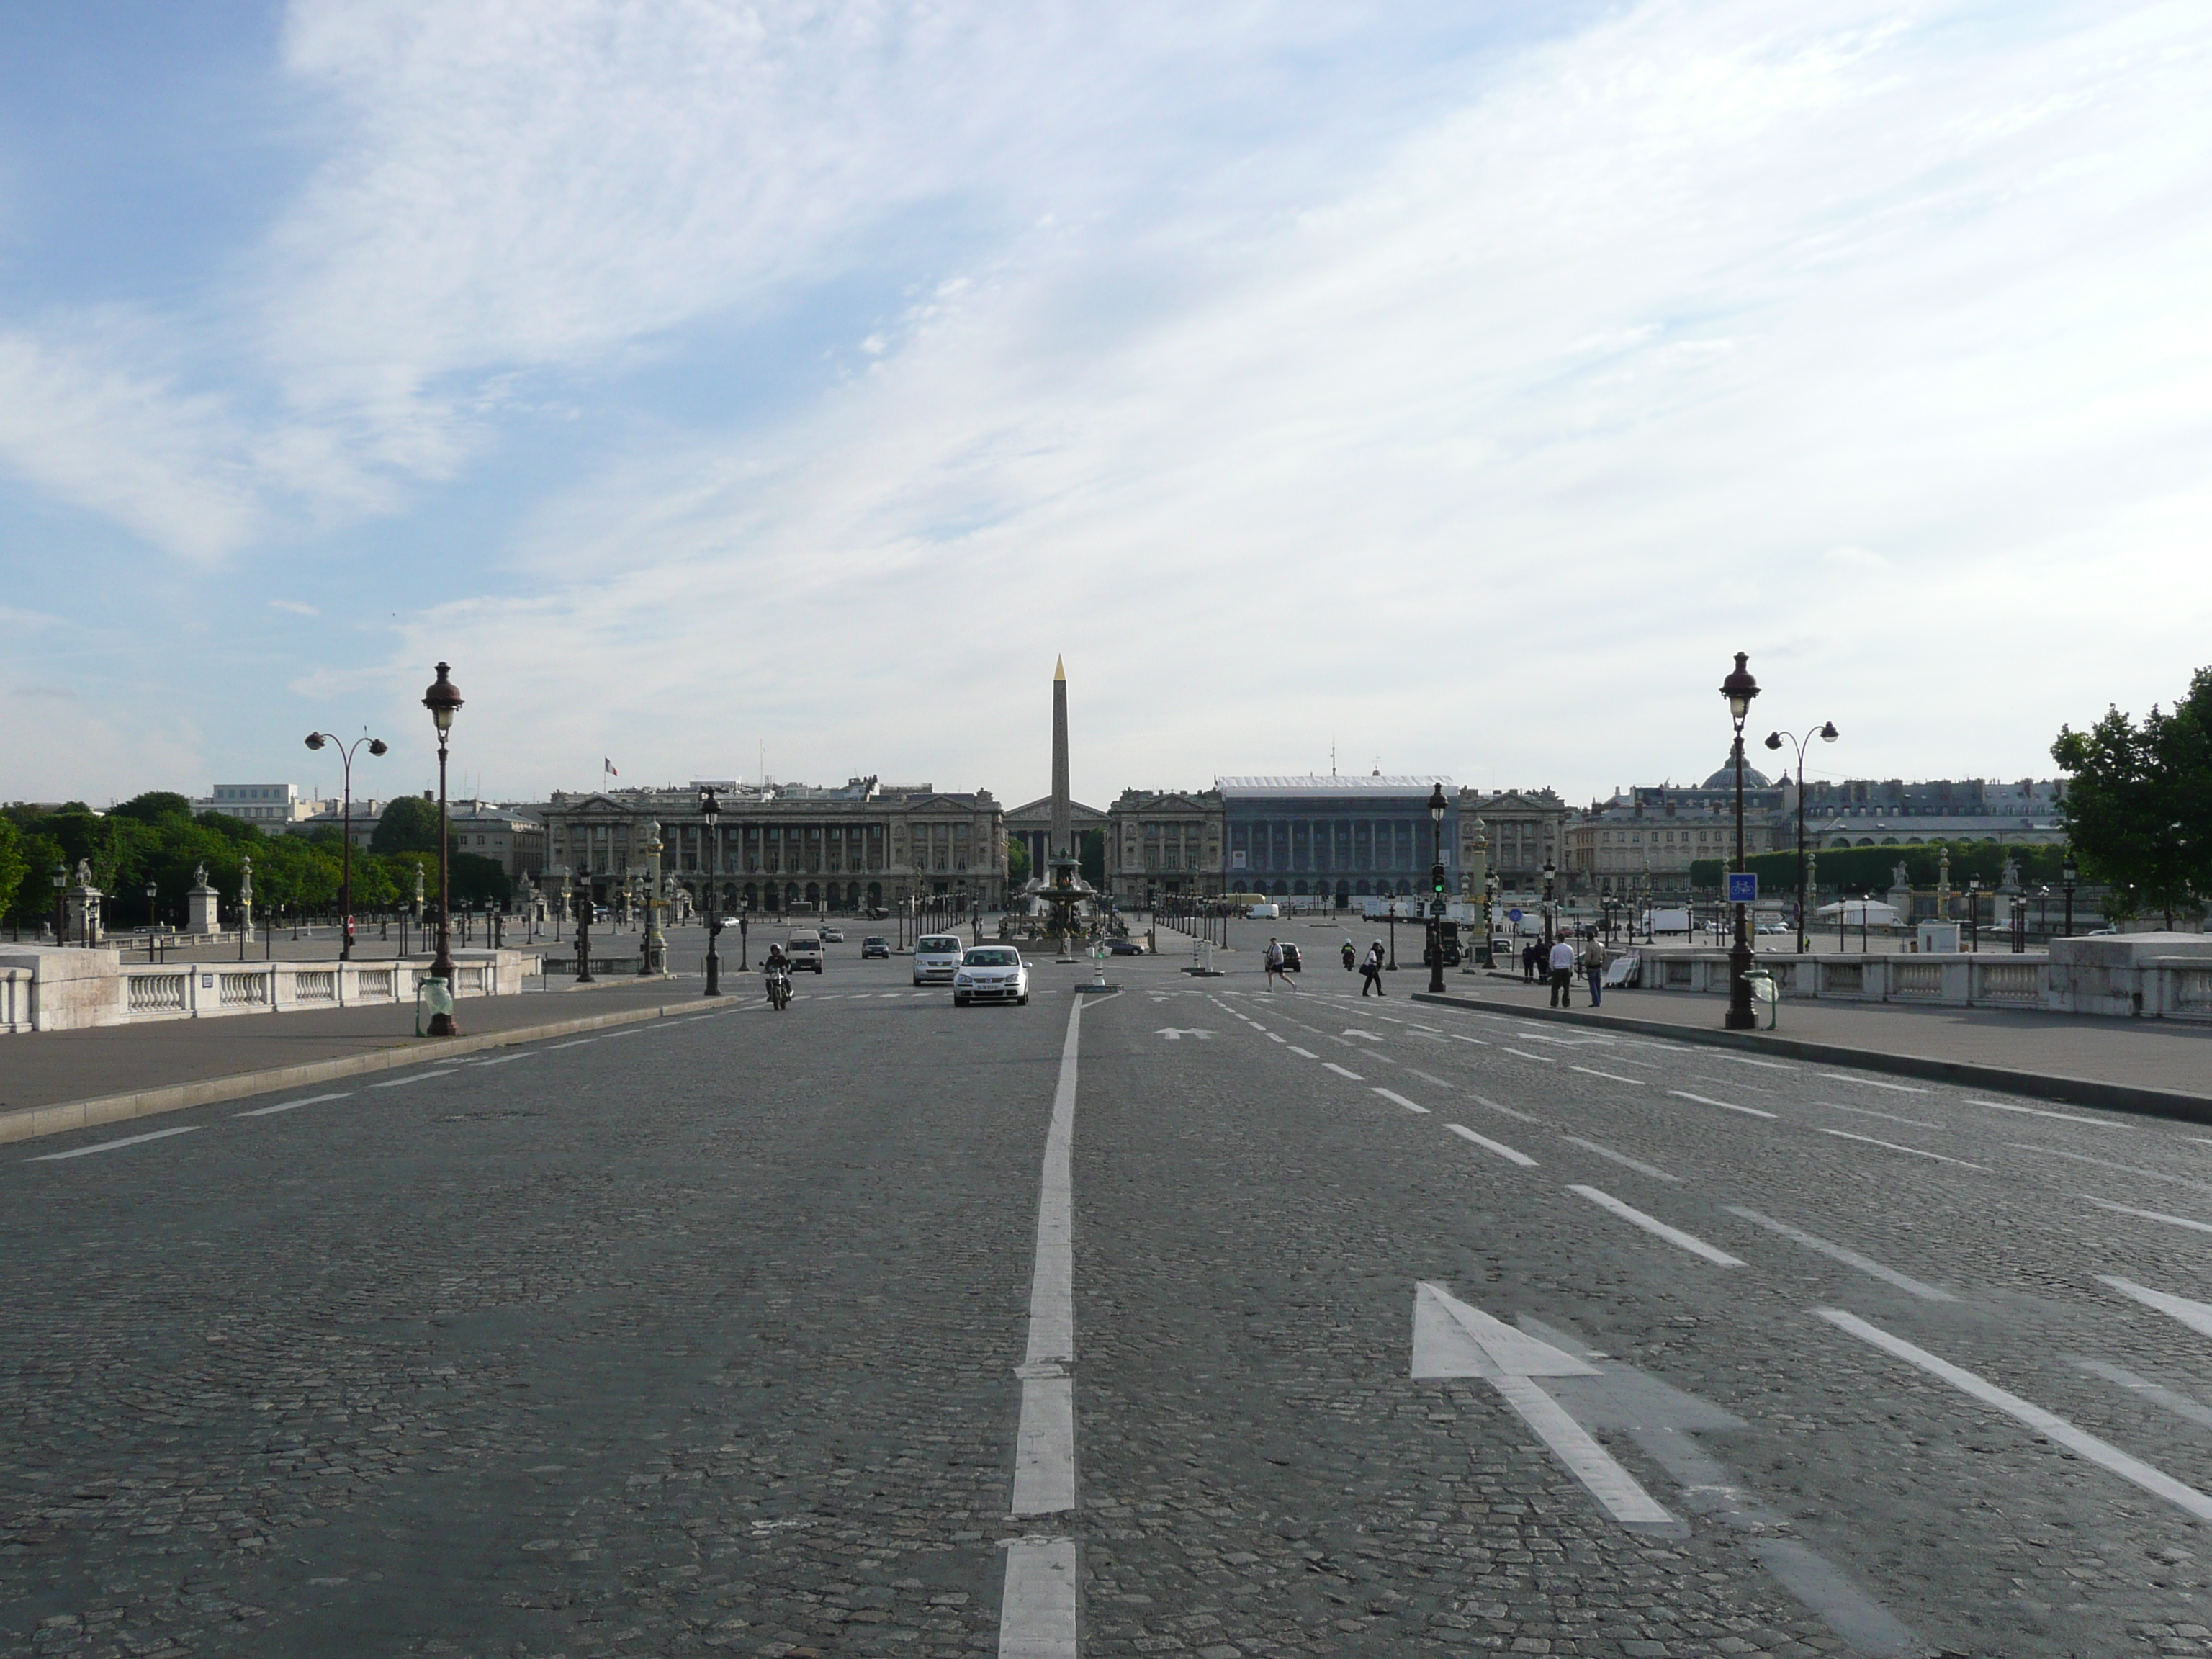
1348 837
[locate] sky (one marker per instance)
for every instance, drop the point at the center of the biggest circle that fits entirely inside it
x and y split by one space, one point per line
1454 389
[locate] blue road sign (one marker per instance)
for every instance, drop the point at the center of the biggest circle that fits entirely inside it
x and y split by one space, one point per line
1742 887
1512 915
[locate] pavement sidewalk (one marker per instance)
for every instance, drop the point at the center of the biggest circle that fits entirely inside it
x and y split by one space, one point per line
2136 1065
52 1080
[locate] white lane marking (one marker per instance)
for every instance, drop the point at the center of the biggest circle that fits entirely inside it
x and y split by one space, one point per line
1746 1059
1044 1453
419 1077
293 1105
1849 1258
1426 1077
2036 1111
530 1054
110 1146
2197 1315
1657 1228
1497 1146
1590 1463
576 1042
1545 1059
2184 1498
1272 1038
1725 1105
1303 1053
1484 1100
1845 1134
1478 1042
2151 1215
609 1037
1332 1065
2107 1164
1621 1158
1869 1111
2179 1404
1610 1077
1875 1083
1401 1100
1037 1612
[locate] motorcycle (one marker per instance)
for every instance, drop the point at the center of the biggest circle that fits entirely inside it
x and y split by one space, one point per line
1351 957
779 988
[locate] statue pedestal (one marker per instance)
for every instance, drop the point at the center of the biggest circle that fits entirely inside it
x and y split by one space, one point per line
84 923
200 902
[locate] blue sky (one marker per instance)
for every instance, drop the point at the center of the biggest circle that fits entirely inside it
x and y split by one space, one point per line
1458 385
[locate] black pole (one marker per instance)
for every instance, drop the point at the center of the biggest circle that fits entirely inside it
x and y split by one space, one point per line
584 934
442 966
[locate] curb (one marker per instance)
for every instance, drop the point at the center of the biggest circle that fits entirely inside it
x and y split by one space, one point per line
32 1121
2037 1085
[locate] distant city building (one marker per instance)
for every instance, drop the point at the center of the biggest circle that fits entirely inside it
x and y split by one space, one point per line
1526 830
1344 835
515 839
787 846
1863 813
1162 843
333 815
1030 824
270 806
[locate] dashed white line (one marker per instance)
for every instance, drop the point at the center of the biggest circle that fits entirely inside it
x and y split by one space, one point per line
574 1042
1845 1134
1875 1083
1037 1609
1658 1228
526 1054
1544 1060
2197 1316
293 1105
1303 1053
2151 1215
2184 1498
2036 1111
110 1146
1725 1105
1498 1146
1401 1100
1332 1065
1478 1042
1869 1111
1610 1077
2107 1164
1621 1158
1484 1100
419 1077
1746 1059
1849 1258
1272 1038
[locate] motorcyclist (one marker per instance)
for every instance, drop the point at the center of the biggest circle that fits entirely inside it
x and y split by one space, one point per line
776 969
1351 956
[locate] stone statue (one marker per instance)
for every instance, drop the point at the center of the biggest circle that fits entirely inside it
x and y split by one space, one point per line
199 874
2009 882
1900 877
84 872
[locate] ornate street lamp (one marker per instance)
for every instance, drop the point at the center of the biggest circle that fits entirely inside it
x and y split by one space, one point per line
444 702
61 904
711 811
2067 875
1550 875
153 919
1827 733
1437 807
1740 688
376 746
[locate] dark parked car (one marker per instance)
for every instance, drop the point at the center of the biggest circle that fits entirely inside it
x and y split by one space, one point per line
875 945
1291 962
1124 947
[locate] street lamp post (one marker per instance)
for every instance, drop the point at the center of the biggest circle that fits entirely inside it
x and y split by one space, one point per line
1437 807
1827 733
153 920
443 700
2067 875
1974 915
61 904
376 746
1740 688
1550 875
711 809
584 905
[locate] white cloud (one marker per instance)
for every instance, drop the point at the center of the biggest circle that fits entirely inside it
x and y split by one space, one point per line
297 607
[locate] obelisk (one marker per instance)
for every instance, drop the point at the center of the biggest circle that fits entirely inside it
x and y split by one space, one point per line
1063 849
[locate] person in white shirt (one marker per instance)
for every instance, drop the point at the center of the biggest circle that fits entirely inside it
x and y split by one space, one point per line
1562 974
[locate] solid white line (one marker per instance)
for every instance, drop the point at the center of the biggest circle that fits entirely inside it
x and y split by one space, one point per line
1725 1105
1497 1146
1610 1077
1845 1134
1037 1613
1875 1083
2152 1215
1545 1059
110 1146
1044 1461
1849 1258
2184 1498
1657 1228
2196 1314
2036 1111
291 1105
1622 1159
1330 1065
401 1082
1304 1054
1402 1100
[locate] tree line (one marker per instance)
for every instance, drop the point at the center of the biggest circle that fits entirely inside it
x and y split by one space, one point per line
155 838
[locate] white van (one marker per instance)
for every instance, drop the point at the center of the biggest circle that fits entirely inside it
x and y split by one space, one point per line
936 958
803 947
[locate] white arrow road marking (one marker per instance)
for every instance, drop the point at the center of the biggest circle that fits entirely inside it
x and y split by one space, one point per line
1451 1338
1657 1228
1174 1036
2155 1481
2197 1315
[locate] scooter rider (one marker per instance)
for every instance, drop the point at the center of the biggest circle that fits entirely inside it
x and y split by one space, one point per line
1351 957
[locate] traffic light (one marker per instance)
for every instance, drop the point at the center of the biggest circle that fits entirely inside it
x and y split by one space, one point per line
1437 883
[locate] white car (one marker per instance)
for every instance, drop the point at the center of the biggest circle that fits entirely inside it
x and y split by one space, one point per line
991 973
936 958
833 936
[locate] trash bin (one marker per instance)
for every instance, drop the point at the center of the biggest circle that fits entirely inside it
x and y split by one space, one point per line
1764 988
432 996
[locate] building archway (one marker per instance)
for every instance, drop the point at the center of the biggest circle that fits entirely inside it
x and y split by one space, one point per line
790 895
1343 894
1298 887
875 896
813 893
1362 889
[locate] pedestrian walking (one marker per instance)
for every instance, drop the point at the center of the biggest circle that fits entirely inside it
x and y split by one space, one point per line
1593 967
1275 964
1371 971
1563 974
1529 961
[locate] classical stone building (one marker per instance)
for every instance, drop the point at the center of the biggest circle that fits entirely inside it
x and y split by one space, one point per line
1347 836
786 847
1526 828
1163 843
1031 825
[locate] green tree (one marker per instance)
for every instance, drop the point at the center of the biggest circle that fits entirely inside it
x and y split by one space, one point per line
1018 860
2138 803
1091 860
155 806
13 866
409 824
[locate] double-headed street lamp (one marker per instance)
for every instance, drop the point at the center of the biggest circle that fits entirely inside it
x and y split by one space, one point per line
1740 688
376 746
443 700
1827 733
711 811
1437 807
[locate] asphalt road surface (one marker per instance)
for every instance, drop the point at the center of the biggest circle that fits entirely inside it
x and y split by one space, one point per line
1193 1319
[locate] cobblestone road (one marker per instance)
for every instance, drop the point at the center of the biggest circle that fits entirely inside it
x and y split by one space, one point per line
702 1336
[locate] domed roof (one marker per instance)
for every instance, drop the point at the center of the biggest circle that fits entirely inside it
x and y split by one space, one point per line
1725 778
